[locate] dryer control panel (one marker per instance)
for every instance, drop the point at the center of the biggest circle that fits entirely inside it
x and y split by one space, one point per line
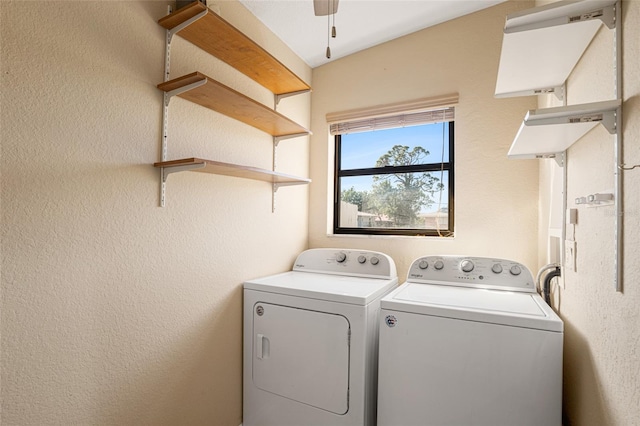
356 263
469 271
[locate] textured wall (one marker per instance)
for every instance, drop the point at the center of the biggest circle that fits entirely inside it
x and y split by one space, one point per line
494 196
116 311
602 327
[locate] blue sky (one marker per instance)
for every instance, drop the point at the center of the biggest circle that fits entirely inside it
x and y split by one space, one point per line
361 150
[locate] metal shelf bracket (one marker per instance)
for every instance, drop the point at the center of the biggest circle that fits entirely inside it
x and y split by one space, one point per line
558 92
185 24
606 118
175 92
166 171
277 98
169 37
606 14
276 186
277 139
273 197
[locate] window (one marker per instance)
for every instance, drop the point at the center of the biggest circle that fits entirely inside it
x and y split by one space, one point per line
394 174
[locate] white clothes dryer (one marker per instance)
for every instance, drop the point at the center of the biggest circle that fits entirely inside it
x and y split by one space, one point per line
311 340
467 341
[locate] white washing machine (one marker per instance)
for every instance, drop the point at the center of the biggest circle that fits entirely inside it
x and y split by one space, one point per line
311 340
467 341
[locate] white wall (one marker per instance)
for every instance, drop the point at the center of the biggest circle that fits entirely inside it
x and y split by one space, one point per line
116 311
602 327
495 198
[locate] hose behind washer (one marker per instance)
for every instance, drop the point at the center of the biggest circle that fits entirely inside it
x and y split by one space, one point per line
546 289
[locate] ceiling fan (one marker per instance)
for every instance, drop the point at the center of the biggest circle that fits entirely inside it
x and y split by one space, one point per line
328 8
325 7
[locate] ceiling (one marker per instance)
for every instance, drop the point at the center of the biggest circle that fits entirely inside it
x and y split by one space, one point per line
360 24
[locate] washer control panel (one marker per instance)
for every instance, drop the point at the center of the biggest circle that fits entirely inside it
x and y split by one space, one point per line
362 263
469 271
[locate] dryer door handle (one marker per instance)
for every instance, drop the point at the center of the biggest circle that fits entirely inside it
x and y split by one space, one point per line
262 346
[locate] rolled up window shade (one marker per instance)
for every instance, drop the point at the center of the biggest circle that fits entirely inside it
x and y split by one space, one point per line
426 111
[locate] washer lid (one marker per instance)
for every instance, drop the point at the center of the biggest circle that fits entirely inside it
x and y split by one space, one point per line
335 288
482 305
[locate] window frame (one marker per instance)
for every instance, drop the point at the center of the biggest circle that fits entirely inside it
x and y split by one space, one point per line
448 166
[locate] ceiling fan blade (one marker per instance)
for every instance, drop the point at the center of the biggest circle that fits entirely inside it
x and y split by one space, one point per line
325 7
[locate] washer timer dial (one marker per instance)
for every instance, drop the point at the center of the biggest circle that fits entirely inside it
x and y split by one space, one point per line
466 265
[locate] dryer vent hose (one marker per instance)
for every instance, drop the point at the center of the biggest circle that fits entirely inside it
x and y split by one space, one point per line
546 289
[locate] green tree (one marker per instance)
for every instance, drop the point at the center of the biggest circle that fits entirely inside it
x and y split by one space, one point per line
401 196
359 198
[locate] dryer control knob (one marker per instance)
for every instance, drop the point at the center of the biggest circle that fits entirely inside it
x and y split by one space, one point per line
362 259
341 257
466 266
497 268
439 264
374 260
423 264
515 270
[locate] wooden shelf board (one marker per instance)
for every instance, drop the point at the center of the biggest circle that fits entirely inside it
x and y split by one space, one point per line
235 170
223 99
216 36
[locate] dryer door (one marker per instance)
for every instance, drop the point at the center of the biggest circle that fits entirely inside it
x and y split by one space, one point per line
302 355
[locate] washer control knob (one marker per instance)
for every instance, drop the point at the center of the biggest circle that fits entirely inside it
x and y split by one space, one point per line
496 268
466 266
423 264
515 270
341 257
439 264
374 260
362 259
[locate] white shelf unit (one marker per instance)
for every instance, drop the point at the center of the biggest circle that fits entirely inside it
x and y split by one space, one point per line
547 133
541 46
540 49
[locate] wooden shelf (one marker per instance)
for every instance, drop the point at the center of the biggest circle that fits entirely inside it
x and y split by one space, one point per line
541 46
223 99
216 36
208 31
227 169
